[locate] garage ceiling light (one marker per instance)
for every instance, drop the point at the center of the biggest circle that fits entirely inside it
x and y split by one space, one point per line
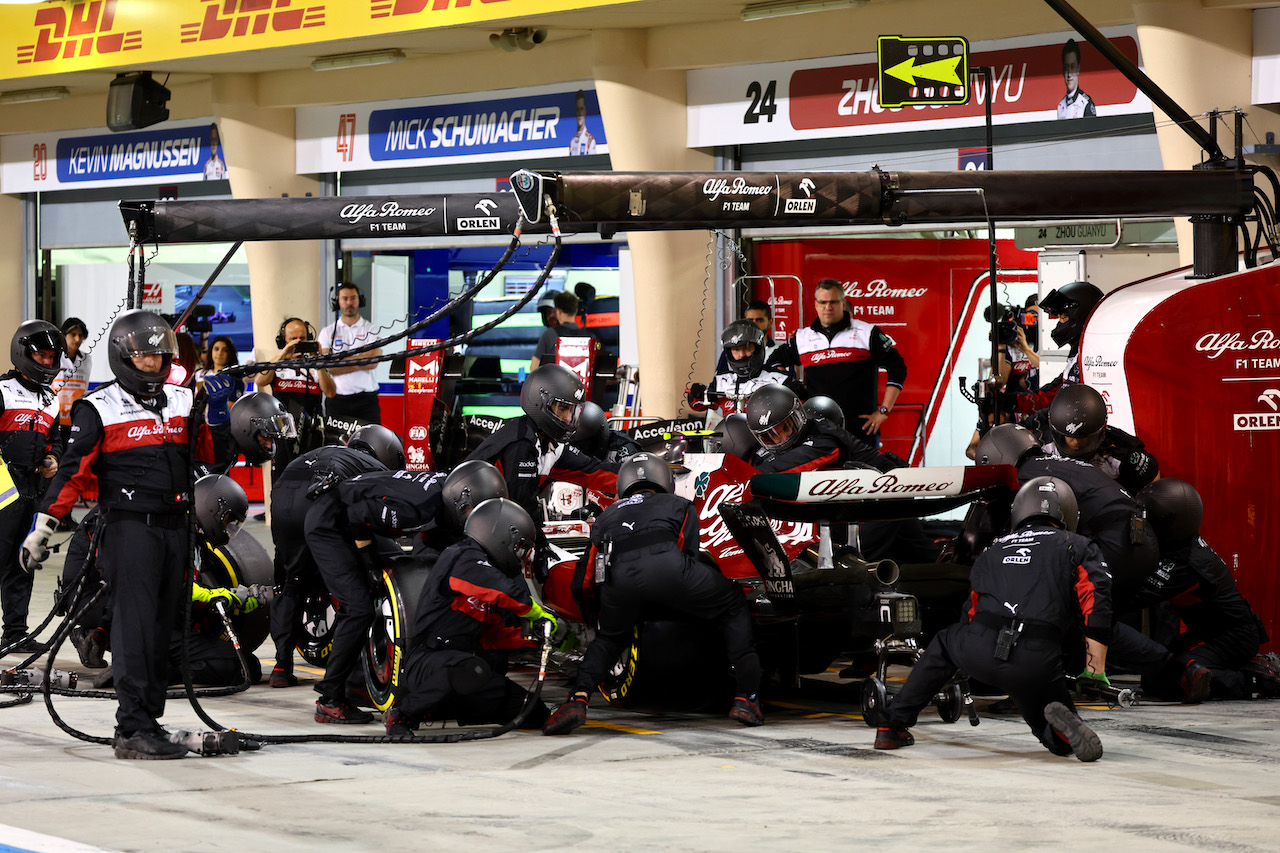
357 60
26 96
782 8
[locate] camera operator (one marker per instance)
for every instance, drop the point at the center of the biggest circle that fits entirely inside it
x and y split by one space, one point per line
300 389
1019 363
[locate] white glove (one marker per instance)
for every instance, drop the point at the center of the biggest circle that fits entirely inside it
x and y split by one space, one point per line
34 551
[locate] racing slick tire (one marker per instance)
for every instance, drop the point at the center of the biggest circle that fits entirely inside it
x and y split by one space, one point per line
316 613
671 665
395 602
242 562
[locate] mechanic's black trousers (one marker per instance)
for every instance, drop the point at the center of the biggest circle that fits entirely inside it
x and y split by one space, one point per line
15 583
294 564
348 583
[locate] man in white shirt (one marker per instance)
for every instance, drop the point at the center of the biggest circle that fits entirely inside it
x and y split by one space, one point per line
215 168
357 387
583 142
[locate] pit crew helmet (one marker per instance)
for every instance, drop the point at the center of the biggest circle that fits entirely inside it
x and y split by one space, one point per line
469 485
1045 497
260 414
1174 509
221 507
739 333
736 438
137 333
826 409
645 470
30 338
552 396
380 443
776 417
1076 301
593 426
1006 444
505 531
1078 412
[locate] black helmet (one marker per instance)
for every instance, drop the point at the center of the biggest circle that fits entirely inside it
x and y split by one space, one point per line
736 438
221 506
1045 497
32 337
506 533
1077 301
824 408
776 417
1078 412
1005 444
1174 509
645 470
136 333
593 425
260 415
552 397
380 443
469 485
739 333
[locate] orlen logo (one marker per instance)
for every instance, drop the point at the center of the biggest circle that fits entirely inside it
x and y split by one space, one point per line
806 205
346 139
417 433
388 8
479 223
77 29
237 18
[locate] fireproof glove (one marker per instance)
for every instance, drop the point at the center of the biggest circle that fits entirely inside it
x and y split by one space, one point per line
217 389
1095 679
537 614
696 392
34 550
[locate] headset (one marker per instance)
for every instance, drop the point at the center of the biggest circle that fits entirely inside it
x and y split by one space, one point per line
311 330
347 286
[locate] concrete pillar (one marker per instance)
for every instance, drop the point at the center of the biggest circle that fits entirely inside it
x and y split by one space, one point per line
11 266
644 119
258 143
1202 58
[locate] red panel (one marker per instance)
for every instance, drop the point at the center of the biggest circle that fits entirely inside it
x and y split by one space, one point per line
250 479
914 289
1204 379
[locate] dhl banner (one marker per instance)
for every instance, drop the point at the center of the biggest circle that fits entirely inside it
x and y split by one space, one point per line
77 36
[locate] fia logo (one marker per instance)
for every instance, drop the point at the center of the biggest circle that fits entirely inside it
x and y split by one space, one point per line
77 29
238 18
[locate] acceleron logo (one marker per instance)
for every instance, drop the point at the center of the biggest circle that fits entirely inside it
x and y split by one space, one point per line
77 29
237 18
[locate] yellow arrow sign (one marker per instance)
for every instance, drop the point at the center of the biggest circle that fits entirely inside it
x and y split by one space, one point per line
940 71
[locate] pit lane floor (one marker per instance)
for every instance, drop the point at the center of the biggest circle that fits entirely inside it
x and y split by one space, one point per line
1172 778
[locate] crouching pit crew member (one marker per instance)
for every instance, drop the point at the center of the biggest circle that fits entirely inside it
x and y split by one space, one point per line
1028 590
294 564
792 441
644 553
472 613
135 435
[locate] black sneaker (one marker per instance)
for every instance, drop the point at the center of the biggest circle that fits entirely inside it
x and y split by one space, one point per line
567 717
746 710
1084 741
152 745
90 646
1264 673
28 646
281 677
396 722
340 711
887 737
1195 683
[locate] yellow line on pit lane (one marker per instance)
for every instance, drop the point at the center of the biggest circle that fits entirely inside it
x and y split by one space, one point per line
618 727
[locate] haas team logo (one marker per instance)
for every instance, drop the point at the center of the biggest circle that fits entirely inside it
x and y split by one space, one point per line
77 29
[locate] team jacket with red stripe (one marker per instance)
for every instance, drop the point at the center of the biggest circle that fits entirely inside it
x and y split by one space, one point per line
843 362
300 388
730 383
27 414
528 461
1044 576
469 605
139 455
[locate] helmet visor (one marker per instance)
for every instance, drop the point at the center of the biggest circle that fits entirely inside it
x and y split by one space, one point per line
1078 446
152 340
785 433
44 342
523 549
275 426
566 411
232 525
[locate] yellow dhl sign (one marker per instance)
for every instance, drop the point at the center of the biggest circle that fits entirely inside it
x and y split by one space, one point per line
75 36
